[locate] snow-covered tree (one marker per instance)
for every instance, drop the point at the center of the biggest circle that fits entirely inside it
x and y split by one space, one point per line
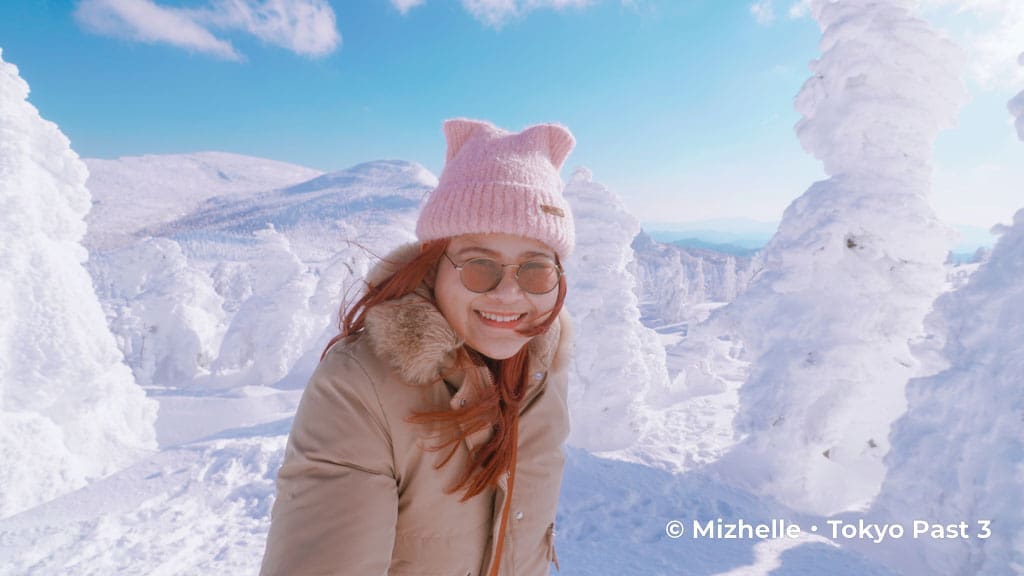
848 278
69 407
677 284
958 453
274 325
616 358
165 314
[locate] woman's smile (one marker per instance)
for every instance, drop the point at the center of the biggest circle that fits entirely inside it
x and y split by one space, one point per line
499 320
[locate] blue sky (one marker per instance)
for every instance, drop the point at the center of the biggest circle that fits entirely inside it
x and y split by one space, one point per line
682 107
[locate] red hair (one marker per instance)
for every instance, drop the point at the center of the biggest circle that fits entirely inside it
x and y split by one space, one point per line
499 405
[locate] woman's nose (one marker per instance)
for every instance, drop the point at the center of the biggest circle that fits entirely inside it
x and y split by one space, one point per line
509 285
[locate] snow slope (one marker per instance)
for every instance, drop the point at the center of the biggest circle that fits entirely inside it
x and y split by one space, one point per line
202 508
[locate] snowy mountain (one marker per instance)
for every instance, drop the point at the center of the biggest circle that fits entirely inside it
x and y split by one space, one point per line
241 290
740 236
164 188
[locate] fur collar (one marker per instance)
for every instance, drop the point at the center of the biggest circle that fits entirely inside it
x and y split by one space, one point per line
419 344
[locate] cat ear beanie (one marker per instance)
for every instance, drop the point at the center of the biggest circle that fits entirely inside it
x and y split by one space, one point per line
495 181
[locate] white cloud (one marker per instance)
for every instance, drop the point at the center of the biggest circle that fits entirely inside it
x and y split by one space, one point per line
305 27
144 21
993 44
497 12
990 31
763 12
800 9
403 6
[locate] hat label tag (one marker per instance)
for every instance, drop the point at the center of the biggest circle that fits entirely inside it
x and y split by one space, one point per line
553 210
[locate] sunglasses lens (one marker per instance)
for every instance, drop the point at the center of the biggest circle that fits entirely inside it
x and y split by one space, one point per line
538 277
481 274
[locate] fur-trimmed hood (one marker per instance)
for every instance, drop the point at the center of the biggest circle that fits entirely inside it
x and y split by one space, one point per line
419 344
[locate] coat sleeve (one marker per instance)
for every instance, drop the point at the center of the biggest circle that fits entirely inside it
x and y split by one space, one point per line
337 499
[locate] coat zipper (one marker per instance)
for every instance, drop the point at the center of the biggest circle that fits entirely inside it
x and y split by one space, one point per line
552 555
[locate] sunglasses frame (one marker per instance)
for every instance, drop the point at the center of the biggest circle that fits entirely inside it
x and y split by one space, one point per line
459 267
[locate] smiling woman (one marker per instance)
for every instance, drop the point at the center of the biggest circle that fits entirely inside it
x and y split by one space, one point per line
429 439
485 302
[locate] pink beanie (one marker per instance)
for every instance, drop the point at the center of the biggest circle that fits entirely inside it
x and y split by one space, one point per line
498 182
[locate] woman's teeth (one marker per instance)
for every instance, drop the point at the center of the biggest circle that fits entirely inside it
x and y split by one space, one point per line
500 318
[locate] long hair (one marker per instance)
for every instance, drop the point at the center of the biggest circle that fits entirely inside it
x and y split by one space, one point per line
498 406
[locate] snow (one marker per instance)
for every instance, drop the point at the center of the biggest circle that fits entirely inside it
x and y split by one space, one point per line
166 187
844 285
69 408
705 386
676 284
610 376
958 452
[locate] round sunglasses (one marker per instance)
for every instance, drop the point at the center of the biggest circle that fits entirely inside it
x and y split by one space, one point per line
483 275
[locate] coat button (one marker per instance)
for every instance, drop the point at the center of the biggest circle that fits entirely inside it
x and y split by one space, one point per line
519 515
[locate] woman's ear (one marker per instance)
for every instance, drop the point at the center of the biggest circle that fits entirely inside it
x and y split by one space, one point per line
431 277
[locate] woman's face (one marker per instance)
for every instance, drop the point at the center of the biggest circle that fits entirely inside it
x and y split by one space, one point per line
488 321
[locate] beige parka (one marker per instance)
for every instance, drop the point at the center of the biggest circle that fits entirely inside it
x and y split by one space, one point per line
357 493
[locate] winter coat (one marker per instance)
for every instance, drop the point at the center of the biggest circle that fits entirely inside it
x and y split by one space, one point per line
357 493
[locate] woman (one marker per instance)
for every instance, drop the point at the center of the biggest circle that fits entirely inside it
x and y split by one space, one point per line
429 439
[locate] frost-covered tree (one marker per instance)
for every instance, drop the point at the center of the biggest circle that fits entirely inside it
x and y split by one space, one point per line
958 453
854 267
274 325
616 358
678 284
165 314
69 408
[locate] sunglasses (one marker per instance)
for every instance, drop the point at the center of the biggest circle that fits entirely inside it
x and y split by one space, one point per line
483 275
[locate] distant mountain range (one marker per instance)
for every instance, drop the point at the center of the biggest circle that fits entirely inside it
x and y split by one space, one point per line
743 237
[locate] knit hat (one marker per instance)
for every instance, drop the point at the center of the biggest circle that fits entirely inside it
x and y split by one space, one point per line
495 181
